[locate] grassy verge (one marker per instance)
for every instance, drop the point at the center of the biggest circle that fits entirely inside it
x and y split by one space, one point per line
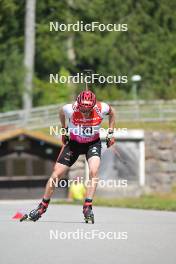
155 202
147 126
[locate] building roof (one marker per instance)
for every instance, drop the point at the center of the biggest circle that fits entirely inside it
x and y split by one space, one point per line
31 134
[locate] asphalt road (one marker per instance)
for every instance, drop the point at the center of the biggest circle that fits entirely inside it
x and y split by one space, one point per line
61 236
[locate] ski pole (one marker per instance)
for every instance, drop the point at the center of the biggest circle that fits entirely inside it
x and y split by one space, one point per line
87 73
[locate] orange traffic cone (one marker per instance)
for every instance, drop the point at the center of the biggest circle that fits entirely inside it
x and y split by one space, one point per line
18 215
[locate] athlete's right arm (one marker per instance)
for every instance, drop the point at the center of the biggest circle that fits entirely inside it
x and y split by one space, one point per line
65 113
64 135
62 117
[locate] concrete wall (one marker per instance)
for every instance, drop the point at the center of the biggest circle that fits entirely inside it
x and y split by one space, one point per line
160 166
160 156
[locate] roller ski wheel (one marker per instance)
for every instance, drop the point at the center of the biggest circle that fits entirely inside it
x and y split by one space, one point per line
24 218
35 214
89 219
27 217
88 213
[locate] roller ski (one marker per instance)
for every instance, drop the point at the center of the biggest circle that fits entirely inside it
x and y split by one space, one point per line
35 214
88 213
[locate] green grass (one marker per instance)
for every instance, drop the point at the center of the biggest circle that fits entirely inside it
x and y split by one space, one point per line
147 126
144 202
153 202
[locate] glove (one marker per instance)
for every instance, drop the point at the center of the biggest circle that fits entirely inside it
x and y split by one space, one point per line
65 137
110 140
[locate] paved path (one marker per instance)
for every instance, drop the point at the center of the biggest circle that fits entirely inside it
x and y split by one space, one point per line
151 236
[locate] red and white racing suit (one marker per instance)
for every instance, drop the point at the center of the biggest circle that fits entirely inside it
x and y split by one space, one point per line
84 132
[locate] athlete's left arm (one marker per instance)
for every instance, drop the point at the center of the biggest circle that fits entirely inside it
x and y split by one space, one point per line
111 119
110 140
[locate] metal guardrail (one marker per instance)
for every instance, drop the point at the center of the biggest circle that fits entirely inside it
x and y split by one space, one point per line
39 117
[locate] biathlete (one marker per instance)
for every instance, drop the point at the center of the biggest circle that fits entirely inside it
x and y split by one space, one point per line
84 118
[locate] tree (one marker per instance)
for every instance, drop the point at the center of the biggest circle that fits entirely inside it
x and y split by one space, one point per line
147 48
29 53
